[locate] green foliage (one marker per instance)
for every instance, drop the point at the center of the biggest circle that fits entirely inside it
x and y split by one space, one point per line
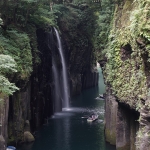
75 18
43 17
82 1
27 11
7 64
103 28
27 15
6 88
16 44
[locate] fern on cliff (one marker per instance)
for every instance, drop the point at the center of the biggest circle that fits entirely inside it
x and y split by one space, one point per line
127 77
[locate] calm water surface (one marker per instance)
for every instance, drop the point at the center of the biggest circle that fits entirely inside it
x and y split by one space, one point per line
67 130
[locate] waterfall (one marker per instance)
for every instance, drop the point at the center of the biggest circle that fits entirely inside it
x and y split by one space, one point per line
56 92
64 86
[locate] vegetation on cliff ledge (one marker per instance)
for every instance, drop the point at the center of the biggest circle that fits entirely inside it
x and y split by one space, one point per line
16 57
128 53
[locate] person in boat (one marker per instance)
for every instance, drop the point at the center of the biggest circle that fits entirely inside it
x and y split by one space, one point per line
93 117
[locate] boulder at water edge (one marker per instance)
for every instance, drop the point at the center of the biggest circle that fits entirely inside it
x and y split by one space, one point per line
28 137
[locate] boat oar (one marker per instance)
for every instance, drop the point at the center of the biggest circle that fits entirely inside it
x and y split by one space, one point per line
85 117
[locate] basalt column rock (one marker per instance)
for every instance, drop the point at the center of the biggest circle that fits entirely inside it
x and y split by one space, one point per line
121 123
79 82
111 107
75 84
4 106
143 134
126 128
2 143
123 129
134 127
89 79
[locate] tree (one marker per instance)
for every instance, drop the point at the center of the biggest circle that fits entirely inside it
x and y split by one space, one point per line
7 64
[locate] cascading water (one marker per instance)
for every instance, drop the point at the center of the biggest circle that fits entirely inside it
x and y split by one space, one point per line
64 88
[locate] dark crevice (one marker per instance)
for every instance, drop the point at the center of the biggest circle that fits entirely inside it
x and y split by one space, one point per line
126 52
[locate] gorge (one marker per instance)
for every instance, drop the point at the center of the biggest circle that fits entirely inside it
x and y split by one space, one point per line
34 74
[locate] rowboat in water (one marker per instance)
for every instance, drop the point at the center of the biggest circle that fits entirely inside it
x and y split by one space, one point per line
92 118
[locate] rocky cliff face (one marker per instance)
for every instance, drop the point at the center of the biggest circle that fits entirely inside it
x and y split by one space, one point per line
30 107
127 73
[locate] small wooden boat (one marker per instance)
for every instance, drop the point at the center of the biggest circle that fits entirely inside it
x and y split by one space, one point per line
92 118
